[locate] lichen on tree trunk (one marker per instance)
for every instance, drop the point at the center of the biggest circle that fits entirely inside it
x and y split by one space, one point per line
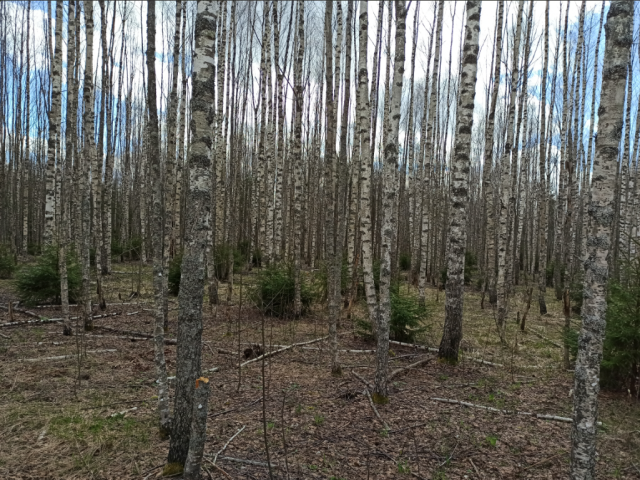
190 297
619 37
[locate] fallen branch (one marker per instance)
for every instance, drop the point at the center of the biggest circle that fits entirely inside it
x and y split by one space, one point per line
413 345
41 321
20 310
449 457
132 334
506 412
62 357
275 352
366 384
474 467
400 370
123 412
484 362
167 341
222 351
218 468
544 461
215 458
375 410
5 336
546 339
341 351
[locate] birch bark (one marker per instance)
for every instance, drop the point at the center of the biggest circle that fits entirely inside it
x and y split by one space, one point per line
190 298
461 164
509 157
156 225
380 391
54 133
619 38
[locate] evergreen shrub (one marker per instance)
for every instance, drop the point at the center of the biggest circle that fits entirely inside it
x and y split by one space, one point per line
40 282
7 262
274 291
405 261
408 318
621 353
175 273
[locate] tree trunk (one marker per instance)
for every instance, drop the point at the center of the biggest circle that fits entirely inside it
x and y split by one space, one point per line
508 160
54 126
297 157
334 258
457 238
188 363
87 161
380 391
363 110
542 185
427 149
619 37
156 225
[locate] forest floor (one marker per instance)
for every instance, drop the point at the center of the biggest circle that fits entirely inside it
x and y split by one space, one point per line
319 426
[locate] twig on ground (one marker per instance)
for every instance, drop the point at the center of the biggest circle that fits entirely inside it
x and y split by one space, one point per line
367 384
151 470
218 468
544 461
449 457
474 467
5 336
215 458
275 352
375 410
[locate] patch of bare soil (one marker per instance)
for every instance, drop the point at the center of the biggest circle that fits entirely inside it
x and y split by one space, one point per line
61 418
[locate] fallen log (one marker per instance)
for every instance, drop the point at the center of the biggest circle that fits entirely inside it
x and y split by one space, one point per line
275 352
53 320
413 345
408 367
540 416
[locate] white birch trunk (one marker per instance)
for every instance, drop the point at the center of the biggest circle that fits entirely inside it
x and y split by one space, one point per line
461 163
619 37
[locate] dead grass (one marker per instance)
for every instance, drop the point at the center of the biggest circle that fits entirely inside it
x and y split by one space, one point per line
319 426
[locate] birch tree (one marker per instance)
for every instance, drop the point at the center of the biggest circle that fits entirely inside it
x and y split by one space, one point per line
54 125
198 201
619 38
159 292
507 162
380 391
461 163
